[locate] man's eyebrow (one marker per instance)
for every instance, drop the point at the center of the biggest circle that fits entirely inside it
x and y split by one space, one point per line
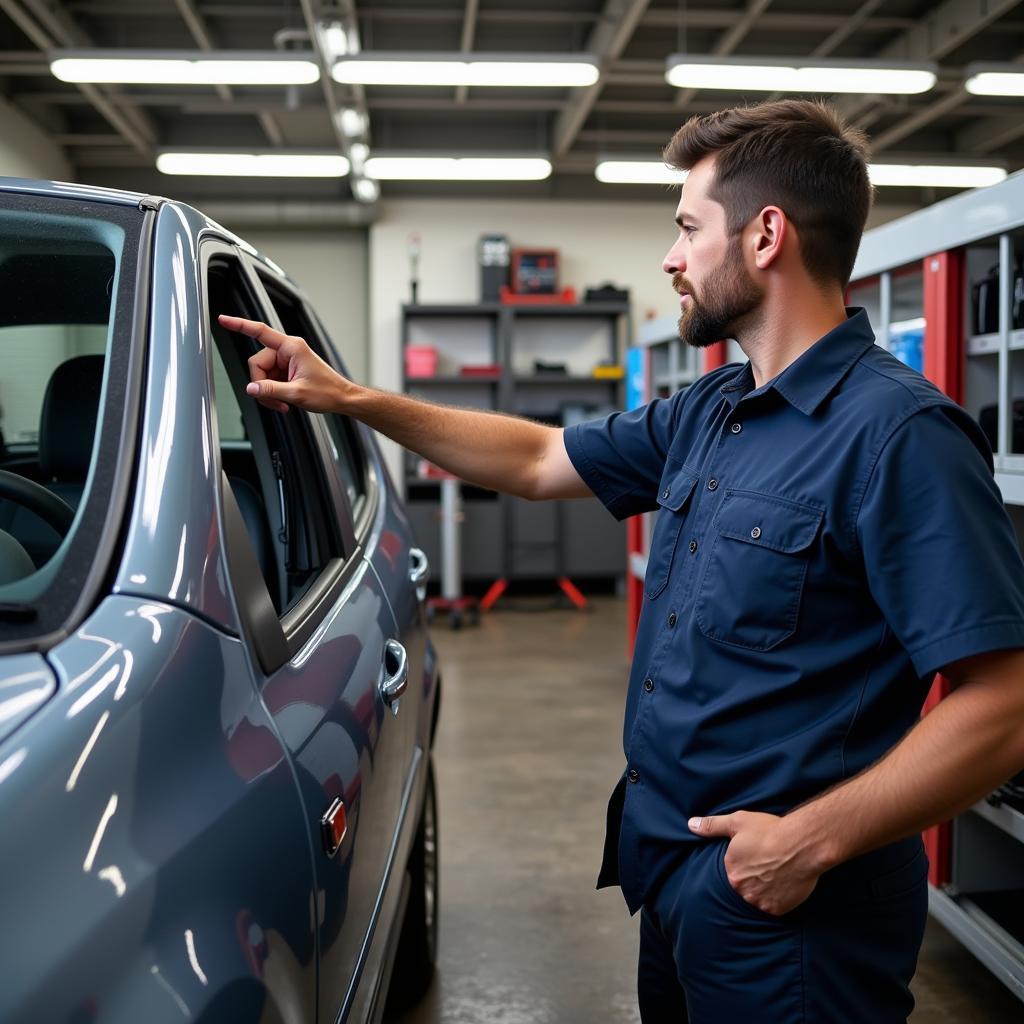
686 216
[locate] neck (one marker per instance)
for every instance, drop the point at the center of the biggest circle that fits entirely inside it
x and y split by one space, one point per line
782 330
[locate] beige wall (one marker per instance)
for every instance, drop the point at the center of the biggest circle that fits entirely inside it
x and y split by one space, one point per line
330 266
25 151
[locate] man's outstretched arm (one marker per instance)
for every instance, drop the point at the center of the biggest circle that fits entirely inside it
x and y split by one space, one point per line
493 450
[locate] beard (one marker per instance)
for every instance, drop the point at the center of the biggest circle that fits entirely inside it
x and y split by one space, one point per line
727 304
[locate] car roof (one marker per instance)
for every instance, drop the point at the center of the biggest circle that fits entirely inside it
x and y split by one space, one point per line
70 190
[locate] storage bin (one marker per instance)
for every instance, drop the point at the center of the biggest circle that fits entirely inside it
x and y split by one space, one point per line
420 361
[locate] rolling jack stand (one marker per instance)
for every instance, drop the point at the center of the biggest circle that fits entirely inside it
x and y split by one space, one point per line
451 600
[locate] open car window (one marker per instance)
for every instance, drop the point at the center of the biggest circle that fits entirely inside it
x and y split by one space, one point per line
67 308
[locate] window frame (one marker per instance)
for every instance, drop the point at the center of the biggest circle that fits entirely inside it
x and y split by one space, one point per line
322 346
93 552
275 637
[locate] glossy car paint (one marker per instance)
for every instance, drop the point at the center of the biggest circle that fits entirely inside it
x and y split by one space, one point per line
161 852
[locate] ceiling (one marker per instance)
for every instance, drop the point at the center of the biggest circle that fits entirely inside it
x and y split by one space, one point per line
110 133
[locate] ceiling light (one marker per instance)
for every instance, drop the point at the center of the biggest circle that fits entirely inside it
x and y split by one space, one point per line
183 67
472 69
447 168
366 190
352 122
334 39
936 175
797 74
651 172
985 79
638 172
254 165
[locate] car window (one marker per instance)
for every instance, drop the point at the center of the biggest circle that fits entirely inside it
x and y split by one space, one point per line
66 291
271 460
347 448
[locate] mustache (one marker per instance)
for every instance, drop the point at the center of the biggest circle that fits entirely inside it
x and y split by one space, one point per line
681 285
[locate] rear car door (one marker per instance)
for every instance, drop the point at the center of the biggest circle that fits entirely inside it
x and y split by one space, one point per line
322 637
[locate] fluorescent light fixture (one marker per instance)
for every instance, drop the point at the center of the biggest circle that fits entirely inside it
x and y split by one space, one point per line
366 190
352 122
184 67
470 69
638 172
253 165
452 168
986 79
936 175
799 74
652 172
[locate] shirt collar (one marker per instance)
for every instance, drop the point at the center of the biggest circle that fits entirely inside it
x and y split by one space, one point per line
809 380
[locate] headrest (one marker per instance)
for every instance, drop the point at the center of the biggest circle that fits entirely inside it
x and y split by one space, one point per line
67 426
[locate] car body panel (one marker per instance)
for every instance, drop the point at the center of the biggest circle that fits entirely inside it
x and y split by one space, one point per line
169 861
26 685
176 494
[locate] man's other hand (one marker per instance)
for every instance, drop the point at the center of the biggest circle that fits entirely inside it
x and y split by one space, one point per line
762 862
286 371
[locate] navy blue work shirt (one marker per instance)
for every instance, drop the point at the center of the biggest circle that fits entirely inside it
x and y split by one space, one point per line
825 543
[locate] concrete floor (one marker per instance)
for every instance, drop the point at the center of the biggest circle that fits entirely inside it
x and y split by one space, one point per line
527 752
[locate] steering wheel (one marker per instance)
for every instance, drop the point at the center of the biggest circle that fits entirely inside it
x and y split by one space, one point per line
54 511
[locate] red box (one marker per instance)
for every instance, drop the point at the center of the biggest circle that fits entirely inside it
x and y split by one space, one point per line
420 361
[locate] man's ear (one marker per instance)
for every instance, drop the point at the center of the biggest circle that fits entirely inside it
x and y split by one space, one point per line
771 230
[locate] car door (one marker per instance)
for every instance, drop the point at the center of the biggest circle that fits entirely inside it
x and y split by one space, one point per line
323 642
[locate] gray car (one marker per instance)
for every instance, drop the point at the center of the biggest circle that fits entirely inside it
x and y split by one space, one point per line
217 693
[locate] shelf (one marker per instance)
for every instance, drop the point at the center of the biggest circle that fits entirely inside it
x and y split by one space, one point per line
990 943
1012 487
554 378
482 309
448 381
988 344
1003 816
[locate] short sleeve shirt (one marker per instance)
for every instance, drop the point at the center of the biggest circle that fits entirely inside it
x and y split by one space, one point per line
824 544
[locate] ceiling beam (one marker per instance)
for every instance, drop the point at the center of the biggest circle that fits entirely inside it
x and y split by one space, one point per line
607 41
468 35
728 42
114 117
951 24
200 32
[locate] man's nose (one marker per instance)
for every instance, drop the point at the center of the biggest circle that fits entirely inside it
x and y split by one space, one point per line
674 262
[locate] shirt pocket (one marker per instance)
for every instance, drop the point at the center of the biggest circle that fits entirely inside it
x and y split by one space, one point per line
674 495
753 580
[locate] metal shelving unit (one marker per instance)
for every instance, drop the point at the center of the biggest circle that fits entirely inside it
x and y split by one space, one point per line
977 861
502 537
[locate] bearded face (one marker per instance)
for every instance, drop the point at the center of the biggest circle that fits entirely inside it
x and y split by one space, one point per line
725 302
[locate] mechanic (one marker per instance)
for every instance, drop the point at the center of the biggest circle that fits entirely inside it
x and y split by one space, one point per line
830 536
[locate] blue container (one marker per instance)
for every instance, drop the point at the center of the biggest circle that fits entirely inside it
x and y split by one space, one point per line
908 346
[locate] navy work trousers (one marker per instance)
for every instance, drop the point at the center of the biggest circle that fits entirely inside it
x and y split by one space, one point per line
846 955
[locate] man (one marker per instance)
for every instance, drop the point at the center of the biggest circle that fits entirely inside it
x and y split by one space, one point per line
830 536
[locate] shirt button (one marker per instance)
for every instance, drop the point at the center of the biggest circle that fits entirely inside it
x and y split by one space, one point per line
648 685
755 532
712 484
671 619
693 546
736 428
664 493
633 775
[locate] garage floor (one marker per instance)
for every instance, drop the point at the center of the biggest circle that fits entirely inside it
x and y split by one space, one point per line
527 752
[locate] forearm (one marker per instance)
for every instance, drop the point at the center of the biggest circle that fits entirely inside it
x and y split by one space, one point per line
489 449
967 745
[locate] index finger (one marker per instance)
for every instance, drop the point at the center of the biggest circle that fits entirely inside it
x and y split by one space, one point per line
254 329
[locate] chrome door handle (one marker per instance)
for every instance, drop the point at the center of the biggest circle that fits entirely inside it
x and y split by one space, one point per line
396 674
419 572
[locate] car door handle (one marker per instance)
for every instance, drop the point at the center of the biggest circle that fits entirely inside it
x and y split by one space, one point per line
419 571
396 674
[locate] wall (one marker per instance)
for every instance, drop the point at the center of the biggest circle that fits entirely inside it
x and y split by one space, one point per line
331 267
25 151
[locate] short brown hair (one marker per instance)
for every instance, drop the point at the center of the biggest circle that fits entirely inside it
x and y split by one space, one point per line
798 155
